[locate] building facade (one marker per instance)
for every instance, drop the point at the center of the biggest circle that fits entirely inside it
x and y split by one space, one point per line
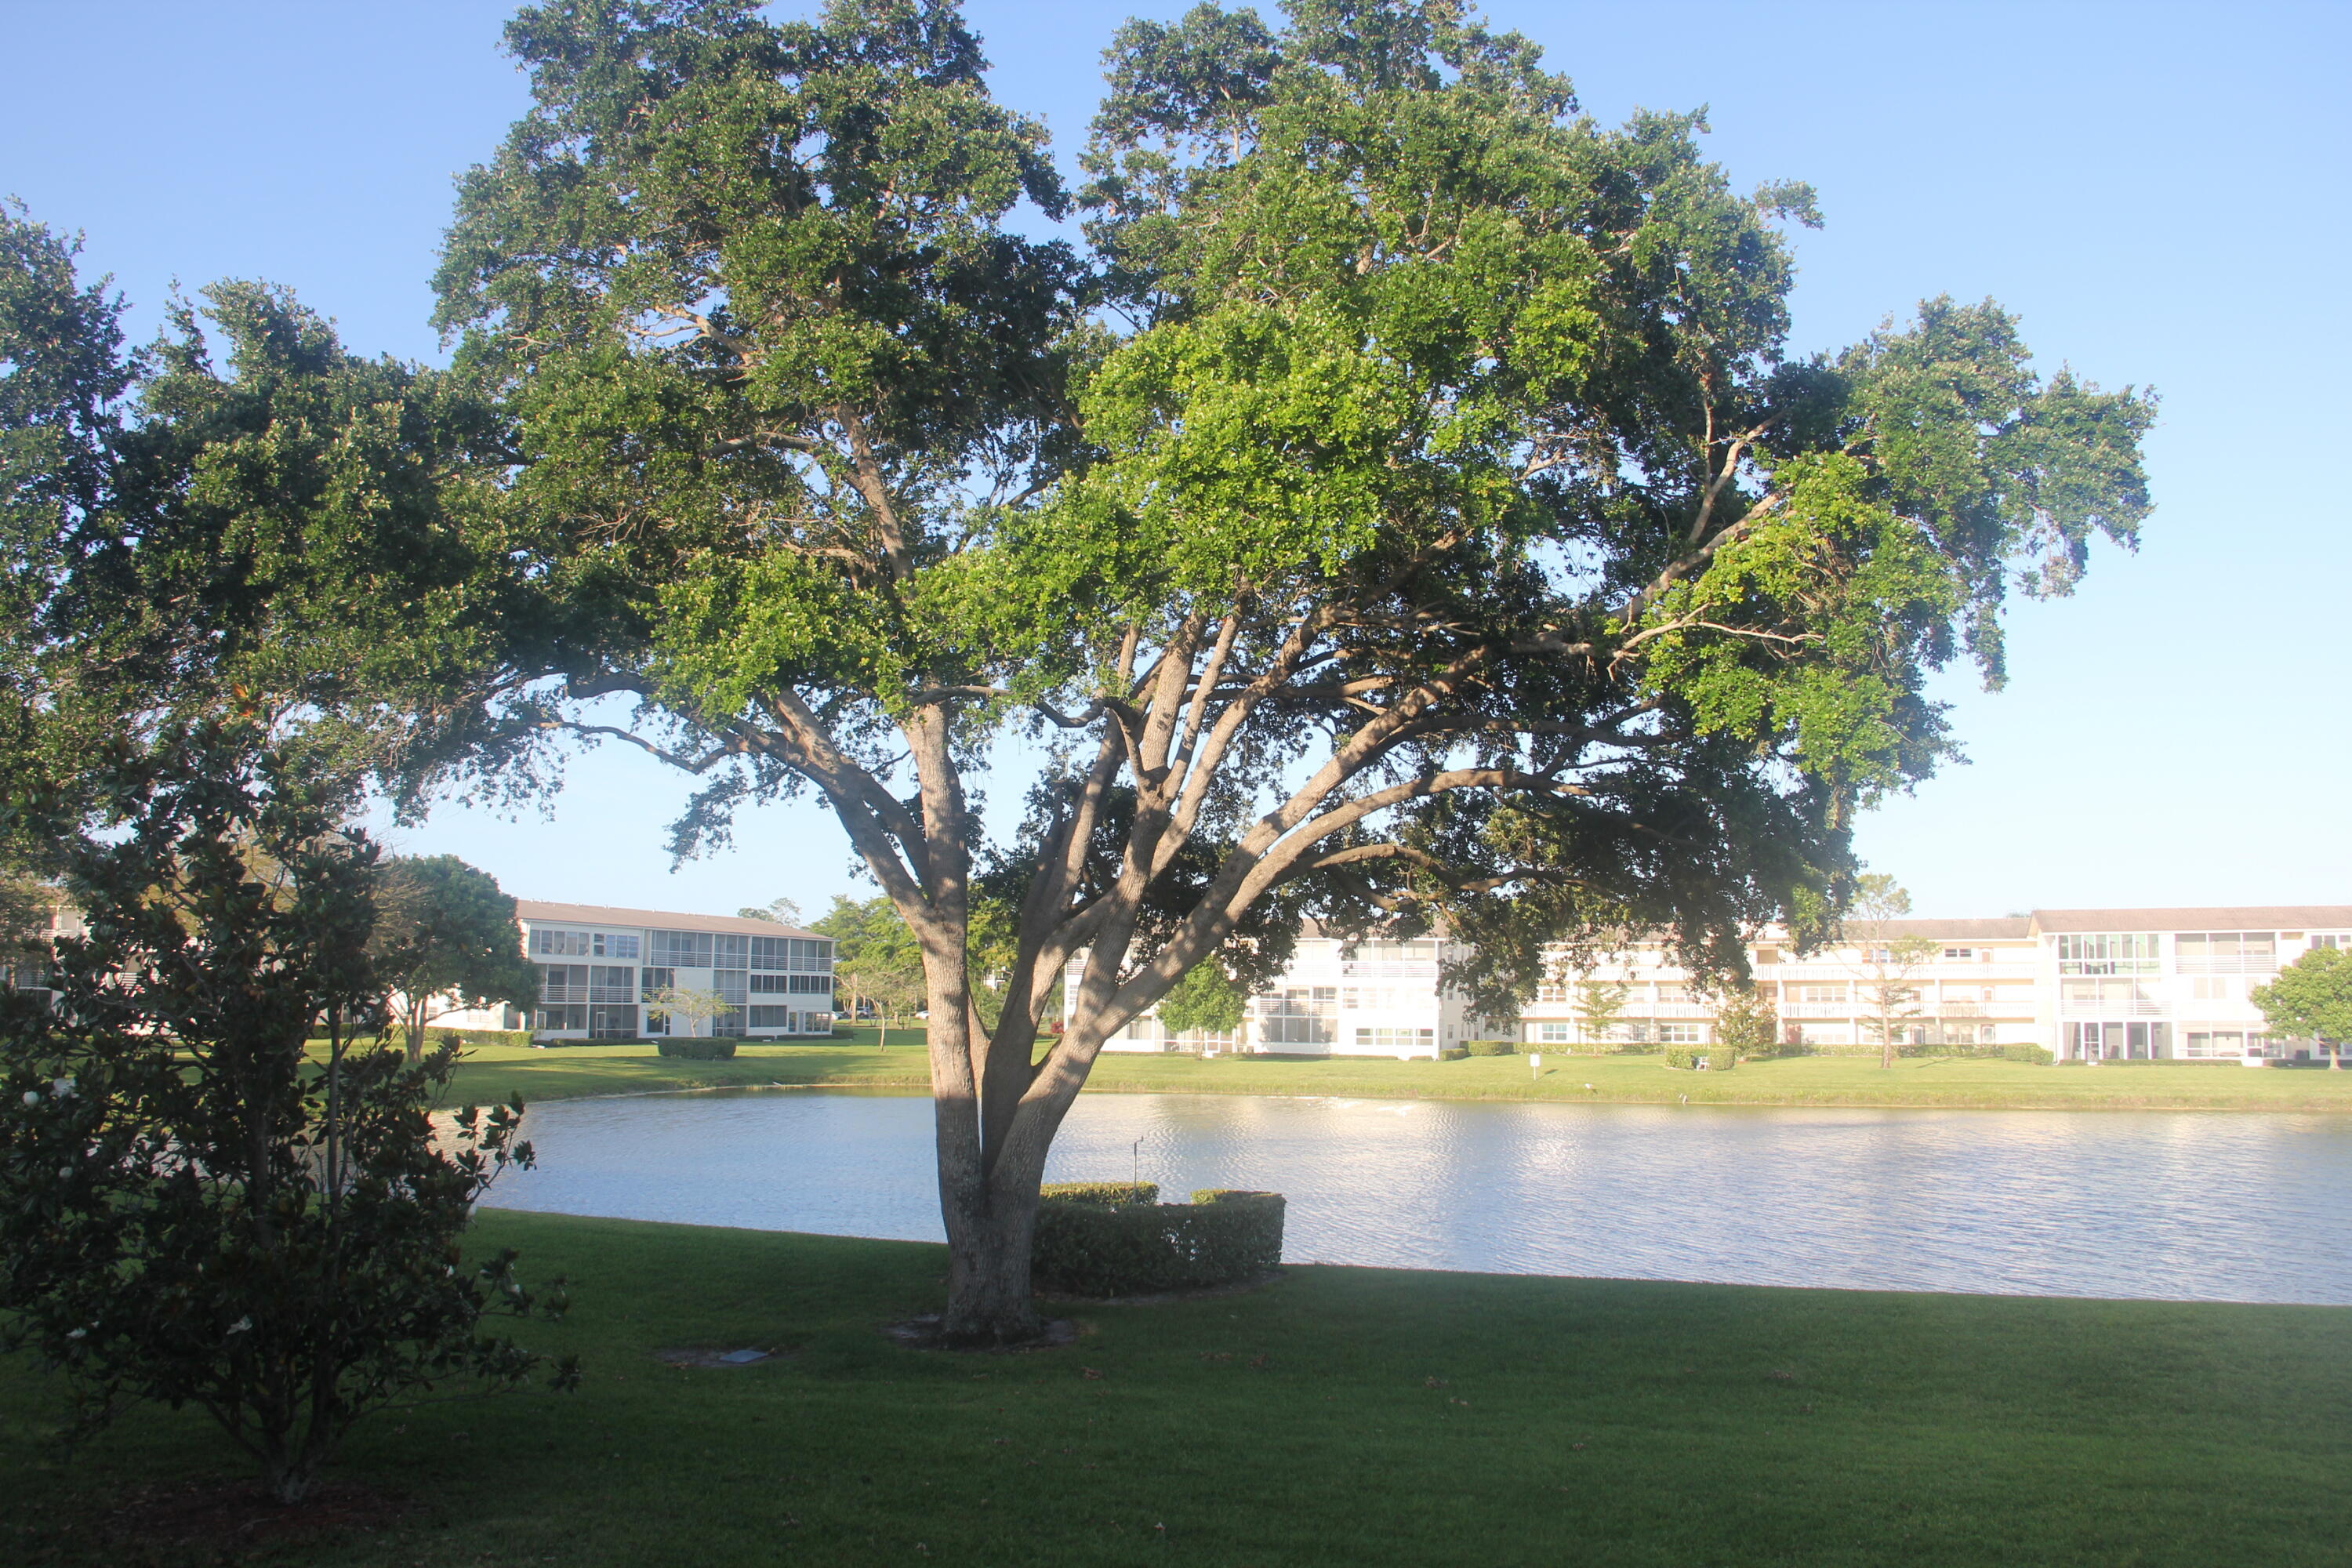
2084 985
2167 985
1335 999
626 974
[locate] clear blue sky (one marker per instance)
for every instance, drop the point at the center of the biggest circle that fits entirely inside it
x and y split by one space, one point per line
2160 190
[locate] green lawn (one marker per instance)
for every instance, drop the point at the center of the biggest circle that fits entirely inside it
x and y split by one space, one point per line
1341 1416
495 1072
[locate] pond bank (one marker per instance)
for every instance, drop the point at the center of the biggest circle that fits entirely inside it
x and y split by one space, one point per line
498 1072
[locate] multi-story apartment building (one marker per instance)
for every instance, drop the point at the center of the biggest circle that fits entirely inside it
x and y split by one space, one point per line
2085 985
604 972
1975 985
1336 999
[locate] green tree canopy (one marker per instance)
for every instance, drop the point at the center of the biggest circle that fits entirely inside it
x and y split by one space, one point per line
1205 1000
445 939
1414 511
2312 997
1444 529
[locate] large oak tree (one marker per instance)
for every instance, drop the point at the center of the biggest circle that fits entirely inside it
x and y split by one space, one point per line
1406 509
1414 513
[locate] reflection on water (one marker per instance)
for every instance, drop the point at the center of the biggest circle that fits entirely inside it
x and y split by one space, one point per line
2183 1204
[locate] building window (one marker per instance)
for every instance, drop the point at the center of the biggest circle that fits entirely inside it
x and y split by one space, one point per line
1301 1015
612 983
563 983
2226 951
810 985
613 1023
2122 998
2210 990
728 1024
2127 953
2336 940
681 949
781 952
561 1020
2221 1045
1551 991
1552 1034
1819 995
771 1018
1391 1040
560 943
613 945
730 985
1682 1034
1959 952
655 981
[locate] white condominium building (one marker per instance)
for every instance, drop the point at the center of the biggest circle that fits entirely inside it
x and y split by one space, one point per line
2084 985
1336 999
605 973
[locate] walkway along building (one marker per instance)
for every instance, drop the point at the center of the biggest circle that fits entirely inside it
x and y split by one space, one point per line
604 975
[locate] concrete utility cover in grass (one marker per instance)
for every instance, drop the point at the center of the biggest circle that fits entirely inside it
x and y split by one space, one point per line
713 1358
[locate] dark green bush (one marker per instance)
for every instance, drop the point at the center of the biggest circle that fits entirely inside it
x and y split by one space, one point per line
1722 1058
1491 1047
693 1050
1685 1057
1087 1248
1453 1054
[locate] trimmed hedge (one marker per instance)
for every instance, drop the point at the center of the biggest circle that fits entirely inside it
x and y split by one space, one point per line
1493 1048
695 1050
1085 1247
1112 1193
1453 1054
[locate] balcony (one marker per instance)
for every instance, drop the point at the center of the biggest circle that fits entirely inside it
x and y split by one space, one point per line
2114 1008
2266 963
1954 971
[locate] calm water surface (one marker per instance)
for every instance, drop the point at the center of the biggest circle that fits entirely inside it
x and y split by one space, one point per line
2180 1204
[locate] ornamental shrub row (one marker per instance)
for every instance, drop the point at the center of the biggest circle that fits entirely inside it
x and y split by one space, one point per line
1088 1246
698 1051
1492 1047
1112 1193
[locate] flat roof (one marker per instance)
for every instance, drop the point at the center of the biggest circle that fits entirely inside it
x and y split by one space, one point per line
2248 917
2017 927
546 913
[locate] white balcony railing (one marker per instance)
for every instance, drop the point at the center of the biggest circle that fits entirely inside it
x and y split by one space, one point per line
2113 1007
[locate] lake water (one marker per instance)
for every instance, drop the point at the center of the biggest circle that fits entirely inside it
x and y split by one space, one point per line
2177 1204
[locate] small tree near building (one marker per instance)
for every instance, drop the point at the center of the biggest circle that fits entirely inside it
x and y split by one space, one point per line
445 941
191 1209
1206 1002
683 1009
2312 999
875 962
1600 1004
1746 1025
776 911
1886 960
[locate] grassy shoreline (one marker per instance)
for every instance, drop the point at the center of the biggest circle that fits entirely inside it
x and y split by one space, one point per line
1339 1416
496 1072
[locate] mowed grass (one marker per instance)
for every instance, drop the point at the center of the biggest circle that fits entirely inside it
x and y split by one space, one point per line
1339 1416
494 1072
